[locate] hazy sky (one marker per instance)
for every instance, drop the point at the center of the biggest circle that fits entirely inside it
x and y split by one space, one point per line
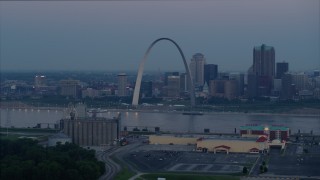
109 35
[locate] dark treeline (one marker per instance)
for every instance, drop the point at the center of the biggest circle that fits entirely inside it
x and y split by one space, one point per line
25 159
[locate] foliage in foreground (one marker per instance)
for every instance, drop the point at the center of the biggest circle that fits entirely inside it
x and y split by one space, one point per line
25 159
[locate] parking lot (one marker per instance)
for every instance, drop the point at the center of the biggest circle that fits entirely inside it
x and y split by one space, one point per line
148 159
301 159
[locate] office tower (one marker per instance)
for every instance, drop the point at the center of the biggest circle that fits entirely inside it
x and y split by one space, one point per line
282 67
301 81
316 73
263 60
239 78
122 84
261 73
197 69
39 81
70 88
223 88
287 88
167 74
277 87
210 72
173 86
252 86
184 85
146 89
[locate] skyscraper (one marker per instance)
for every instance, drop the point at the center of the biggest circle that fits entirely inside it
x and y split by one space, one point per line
210 72
263 60
282 67
122 84
197 69
173 86
263 69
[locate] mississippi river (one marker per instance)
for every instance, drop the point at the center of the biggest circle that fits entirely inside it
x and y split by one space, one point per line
169 121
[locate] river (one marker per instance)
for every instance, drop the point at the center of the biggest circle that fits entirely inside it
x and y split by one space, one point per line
169 121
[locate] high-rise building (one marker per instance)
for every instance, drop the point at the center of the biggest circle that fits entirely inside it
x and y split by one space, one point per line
197 69
239 78
122 84
70 88
287 88
264 69
282 67
173 86
184 85
301 81
263 60
167 74
210 72
223 88
146 89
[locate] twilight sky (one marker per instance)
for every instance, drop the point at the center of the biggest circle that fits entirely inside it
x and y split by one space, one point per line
110 35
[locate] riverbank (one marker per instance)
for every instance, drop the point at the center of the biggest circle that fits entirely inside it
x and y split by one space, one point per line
301 112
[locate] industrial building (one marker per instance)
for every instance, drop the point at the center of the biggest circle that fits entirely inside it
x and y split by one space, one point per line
274 132
93 131
252 139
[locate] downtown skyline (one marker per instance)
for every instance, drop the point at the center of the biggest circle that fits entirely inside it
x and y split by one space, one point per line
113 36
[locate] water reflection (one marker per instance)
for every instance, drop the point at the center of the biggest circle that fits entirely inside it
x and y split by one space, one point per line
173 121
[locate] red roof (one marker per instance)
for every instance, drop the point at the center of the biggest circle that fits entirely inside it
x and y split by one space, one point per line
254 149
262 139
222 146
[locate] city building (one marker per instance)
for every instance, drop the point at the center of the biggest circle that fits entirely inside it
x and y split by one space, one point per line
282 68
246 143
90 93
274 132
146 89
122 84
167 74
277 87
288 89
184 85
223 88
301 81
173 87
39 80
210 72
264 69
197 69
239 78
70 88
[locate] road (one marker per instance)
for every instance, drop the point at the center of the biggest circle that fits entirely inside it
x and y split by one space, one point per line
112 168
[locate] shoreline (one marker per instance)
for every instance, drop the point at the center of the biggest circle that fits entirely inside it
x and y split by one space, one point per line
172 112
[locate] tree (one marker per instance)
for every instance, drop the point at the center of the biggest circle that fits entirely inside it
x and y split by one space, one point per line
245 170
261 169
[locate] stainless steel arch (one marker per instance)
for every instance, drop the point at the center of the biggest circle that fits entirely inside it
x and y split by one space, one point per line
141 67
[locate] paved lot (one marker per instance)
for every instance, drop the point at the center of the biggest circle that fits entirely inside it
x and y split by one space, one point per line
295 161
147 159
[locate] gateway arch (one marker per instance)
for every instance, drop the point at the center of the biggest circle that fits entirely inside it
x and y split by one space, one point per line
136 93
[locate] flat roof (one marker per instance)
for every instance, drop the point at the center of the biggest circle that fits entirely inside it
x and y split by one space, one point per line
230 138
